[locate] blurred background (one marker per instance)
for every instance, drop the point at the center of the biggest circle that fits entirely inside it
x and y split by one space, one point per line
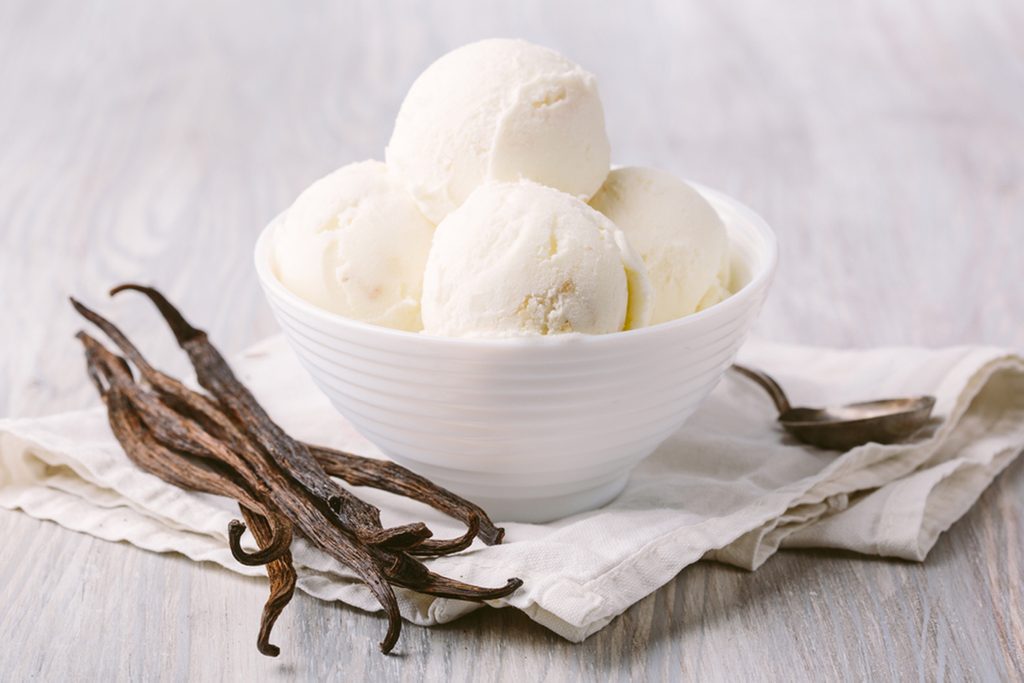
150 141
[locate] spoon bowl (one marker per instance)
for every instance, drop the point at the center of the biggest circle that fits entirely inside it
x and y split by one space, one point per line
844 427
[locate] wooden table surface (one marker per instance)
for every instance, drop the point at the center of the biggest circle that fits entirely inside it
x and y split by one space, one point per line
151 141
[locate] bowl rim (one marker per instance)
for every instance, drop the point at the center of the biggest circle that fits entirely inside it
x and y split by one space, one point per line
751 220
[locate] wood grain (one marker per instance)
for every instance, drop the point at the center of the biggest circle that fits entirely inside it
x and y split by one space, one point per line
151 141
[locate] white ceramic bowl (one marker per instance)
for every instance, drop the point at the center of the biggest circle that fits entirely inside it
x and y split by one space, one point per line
532 429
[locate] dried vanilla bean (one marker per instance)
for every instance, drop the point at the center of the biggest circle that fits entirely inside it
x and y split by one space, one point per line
216 376
393 478
282 576
225 443
338 542
165 431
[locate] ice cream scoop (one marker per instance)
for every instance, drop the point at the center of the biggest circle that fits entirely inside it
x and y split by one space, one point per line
676 231
355 243
499 109
523 259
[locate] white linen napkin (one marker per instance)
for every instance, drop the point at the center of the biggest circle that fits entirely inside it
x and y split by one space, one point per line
729 486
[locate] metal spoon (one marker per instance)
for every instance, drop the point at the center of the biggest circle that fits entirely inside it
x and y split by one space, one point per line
845 427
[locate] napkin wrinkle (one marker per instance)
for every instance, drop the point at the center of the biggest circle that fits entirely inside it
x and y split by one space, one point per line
730 486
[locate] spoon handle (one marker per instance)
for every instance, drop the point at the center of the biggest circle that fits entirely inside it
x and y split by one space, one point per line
768 384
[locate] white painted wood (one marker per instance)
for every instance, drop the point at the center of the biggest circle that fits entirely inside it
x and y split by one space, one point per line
884 141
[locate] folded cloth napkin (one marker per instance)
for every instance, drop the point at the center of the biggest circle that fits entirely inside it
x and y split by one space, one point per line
729 486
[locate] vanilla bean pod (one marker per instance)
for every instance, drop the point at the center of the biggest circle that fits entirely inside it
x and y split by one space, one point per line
176 434
391 565
122 395
216 376
110 374
392 477
356 470
281 573
341 543
226 444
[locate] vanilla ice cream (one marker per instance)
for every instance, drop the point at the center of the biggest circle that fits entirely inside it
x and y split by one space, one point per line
721 287
676 231
523 259
499 110
355 243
